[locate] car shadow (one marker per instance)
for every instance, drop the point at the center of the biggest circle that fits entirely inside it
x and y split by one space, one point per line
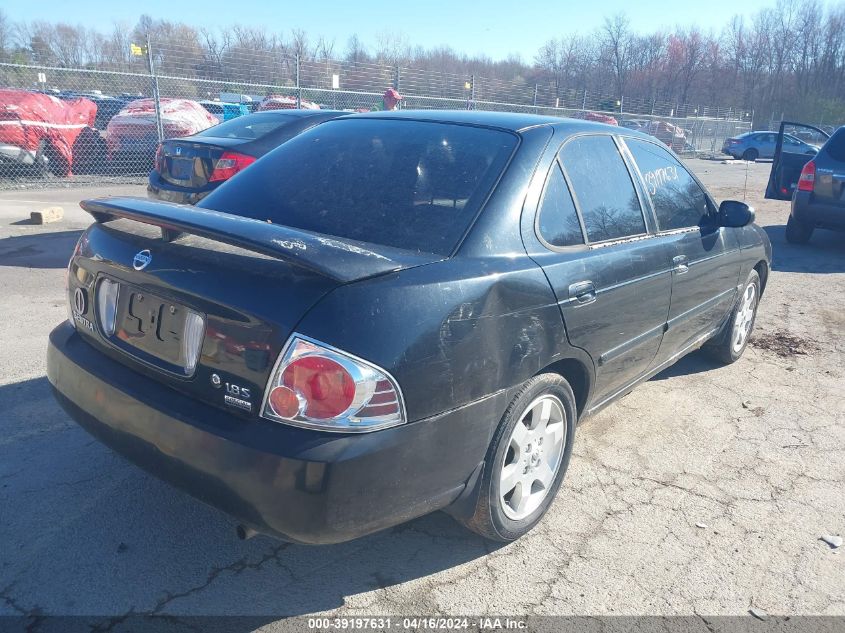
84 517
824 253
39 250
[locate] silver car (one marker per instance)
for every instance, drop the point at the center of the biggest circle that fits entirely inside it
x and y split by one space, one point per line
754 145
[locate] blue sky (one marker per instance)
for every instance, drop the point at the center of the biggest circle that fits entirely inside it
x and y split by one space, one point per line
495 27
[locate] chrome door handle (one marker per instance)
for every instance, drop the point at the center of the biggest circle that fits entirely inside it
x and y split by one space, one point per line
583 292
680 264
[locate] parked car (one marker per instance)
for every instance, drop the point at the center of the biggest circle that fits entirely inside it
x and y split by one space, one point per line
189 168
223 110
598 117
425 311
42 132
635 124
671 135
131 135
284 102
816 186
754 145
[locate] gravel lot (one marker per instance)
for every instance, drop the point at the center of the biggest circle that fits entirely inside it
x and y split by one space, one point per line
704 491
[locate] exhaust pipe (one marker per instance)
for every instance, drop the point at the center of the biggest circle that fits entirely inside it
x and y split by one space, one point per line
244 532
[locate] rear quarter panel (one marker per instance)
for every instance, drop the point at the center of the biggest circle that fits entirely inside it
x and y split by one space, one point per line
450 333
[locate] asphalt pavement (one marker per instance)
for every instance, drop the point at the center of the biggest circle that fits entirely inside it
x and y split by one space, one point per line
705 491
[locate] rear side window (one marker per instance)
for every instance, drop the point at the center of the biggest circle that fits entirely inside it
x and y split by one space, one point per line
603 188
679 202
558 221
248 127
407 184
835 147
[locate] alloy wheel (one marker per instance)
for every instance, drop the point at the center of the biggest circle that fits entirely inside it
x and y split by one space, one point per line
744 318
533 457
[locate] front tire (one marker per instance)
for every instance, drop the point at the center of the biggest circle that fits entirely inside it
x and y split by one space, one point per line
731 343
798 232
527 459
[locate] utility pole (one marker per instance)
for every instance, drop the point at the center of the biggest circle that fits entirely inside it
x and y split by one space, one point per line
156 95
298 87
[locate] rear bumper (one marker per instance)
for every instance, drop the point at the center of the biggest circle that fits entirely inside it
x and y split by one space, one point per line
809 211
159 189
299 485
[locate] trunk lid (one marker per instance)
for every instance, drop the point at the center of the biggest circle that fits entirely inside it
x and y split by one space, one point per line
189 163
250 282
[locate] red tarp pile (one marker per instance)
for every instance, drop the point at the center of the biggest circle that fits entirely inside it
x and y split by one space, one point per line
135 125
28 118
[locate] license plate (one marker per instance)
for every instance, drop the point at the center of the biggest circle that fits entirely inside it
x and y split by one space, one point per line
181 168
150 324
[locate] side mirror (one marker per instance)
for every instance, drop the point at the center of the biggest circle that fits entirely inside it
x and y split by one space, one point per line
733 213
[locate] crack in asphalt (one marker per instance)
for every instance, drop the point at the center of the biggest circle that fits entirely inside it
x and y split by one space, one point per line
236 568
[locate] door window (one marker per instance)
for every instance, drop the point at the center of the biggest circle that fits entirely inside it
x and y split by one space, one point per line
558 221
603 188
679 202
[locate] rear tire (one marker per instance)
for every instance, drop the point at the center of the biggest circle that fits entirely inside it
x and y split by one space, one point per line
798 232
527 459
731 342
750 155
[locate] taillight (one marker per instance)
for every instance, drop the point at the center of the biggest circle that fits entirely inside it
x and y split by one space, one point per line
807 180
734 141
157 163
229 164
317 386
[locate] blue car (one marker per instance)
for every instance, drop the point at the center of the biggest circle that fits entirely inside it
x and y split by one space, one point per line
754 145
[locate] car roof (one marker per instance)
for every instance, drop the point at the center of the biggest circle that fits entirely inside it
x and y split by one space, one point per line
512 121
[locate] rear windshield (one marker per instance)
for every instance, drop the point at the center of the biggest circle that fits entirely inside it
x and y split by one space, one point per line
835 146
248 126
407 184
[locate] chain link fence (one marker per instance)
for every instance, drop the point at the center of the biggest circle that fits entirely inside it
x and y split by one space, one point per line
66 126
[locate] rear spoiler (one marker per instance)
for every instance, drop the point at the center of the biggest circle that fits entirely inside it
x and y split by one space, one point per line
336 258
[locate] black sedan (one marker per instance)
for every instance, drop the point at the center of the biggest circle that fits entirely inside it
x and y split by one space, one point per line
187 169
399 312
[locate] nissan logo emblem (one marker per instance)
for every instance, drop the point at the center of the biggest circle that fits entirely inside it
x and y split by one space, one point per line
80 301
142 259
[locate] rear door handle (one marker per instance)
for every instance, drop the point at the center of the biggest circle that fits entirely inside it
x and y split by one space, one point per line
680 264
583 292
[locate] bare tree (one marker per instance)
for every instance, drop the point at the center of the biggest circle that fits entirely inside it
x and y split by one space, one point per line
356 52
616 43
